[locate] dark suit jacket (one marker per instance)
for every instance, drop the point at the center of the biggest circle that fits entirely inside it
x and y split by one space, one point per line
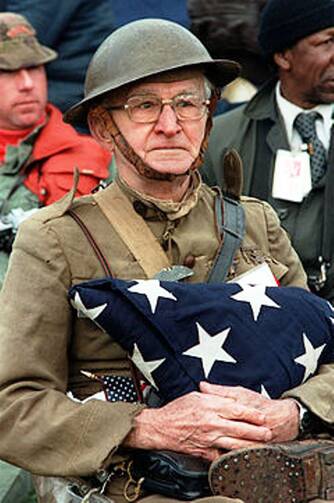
256 131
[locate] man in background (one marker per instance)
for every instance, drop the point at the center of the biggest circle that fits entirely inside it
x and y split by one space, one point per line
74 29
38 151
284 133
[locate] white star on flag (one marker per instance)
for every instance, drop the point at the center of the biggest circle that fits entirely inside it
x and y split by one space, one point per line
209 349
256 296
86 312
264 392
310 358
146 368
152 289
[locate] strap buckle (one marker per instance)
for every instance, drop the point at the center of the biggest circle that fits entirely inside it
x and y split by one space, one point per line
132 486
174 273
317 281
83 493
78 496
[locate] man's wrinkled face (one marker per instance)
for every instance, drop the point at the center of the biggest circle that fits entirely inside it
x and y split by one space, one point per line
311 69
23 97
168 145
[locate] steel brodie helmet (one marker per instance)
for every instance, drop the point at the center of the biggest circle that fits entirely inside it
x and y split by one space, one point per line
142 49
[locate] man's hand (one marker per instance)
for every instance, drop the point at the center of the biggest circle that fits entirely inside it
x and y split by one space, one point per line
200 424
281 416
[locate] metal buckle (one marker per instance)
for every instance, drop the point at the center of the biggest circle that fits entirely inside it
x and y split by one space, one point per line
174 273
82 493
317 282
74 491
86 498
132 487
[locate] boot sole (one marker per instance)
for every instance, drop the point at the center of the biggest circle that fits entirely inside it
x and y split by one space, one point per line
273 475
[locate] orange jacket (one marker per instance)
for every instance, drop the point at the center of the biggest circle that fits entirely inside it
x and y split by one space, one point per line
58 149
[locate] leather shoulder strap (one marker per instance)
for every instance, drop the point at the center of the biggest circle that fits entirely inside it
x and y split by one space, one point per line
232 224
133 230
96 249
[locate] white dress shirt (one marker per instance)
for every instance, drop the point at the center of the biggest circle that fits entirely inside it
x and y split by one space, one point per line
289 112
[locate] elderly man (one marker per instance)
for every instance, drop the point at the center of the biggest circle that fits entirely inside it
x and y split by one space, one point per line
38 152
150 93
284 134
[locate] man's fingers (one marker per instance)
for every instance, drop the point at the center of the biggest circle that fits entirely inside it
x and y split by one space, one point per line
236 429
233 392
213 389
239 412
237 393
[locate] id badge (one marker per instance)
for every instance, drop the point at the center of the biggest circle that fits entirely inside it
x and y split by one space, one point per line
258 275
292 176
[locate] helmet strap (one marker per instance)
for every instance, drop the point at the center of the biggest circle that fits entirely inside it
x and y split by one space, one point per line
133 158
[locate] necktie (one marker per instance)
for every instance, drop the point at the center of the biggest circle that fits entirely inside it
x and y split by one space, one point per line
305 125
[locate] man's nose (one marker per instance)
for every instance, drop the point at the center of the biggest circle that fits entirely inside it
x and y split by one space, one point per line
24 79
167 123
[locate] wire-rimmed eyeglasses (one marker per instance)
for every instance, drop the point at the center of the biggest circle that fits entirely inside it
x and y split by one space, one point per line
146 109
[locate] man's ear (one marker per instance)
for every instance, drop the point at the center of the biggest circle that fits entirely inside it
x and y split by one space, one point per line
283 60
99 125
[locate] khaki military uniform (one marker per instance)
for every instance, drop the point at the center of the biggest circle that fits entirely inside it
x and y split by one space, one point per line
44 345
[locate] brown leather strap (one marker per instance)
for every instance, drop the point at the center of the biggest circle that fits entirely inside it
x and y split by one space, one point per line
133 230
107 271
100 256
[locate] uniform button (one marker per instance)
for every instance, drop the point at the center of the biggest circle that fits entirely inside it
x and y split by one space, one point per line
189 261
140 208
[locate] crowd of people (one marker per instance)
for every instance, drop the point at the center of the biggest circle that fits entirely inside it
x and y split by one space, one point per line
283 134
110 198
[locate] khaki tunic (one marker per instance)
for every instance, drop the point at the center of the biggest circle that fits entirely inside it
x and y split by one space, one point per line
44 345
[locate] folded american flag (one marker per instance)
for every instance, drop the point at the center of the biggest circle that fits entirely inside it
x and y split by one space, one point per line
268 339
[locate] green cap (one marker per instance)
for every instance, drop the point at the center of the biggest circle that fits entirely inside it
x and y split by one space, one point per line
19 47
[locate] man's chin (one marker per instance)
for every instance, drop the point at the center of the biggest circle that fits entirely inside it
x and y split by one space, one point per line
29 118
163 173
174 167
27 124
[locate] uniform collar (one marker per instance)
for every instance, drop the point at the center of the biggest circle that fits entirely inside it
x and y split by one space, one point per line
156 209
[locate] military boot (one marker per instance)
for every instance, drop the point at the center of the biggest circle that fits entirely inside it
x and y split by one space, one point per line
294 472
